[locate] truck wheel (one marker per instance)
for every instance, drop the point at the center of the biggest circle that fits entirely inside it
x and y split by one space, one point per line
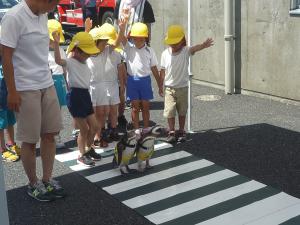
108 17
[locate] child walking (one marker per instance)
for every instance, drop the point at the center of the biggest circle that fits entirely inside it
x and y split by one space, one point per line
58 72
141 62
79 101
174 75
106 78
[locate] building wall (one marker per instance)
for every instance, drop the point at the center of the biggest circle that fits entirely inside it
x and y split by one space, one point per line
267 49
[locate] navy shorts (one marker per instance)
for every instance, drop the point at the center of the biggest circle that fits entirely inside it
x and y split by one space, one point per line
139 88
79 103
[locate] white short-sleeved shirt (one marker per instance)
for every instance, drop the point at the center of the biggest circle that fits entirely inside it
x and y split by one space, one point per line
54 67
104 66
28 35
140 61
78 74
176 67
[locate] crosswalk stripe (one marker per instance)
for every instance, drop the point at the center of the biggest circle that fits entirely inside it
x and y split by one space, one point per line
161 184
127 185
79 167
178 188
204 202
156 161
269 211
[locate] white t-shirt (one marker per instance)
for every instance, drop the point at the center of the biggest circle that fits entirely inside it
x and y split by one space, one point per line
176 67
140 61
54 67
104 66
28 35
78 74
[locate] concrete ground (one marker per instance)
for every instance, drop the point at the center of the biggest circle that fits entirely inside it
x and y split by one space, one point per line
255 137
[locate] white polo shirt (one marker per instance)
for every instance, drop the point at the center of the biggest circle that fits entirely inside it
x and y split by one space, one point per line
28 35
78 74
140 61
176 67
104 66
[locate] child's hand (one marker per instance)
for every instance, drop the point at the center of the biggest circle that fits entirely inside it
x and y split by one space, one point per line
161 92
88 24
125 14
208 43
56 37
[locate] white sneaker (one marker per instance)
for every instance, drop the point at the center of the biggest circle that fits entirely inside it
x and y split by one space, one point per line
59 143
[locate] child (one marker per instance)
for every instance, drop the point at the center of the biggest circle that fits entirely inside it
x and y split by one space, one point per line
174 74
141 62
10 151
79 102
105 80
58 72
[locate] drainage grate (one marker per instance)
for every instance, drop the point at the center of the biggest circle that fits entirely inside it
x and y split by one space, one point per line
208 98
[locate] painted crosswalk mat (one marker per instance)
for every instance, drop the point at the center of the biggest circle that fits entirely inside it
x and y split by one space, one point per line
183 189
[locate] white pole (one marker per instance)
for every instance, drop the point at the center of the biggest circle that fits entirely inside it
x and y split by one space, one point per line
189 116
3 202
229 47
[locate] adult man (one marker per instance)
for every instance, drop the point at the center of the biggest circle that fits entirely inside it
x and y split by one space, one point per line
31 93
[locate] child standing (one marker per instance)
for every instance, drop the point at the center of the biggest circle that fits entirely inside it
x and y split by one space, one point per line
141 62
79 101
58 72
174 74
105 80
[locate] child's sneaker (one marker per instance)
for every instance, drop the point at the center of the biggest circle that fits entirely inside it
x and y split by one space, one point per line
94 155
171 137
59 143
54 188
181 136
39 192
9 156
75 133
14 148
86 160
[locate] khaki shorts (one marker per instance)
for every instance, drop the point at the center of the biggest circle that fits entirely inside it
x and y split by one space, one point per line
38 114
176 99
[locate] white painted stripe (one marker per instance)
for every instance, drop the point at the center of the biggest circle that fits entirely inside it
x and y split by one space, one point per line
134 183
74 154
79 167
271 210
178 188
204 202
155 161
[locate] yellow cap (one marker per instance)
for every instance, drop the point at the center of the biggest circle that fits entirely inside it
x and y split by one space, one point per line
85 42
105 32
139 30
54 25
174 35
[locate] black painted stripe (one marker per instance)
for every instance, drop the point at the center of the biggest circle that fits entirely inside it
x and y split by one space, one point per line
191 195
292 221
224 207
155 169
161 184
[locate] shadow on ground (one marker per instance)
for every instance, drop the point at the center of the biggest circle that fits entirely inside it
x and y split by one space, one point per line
263 152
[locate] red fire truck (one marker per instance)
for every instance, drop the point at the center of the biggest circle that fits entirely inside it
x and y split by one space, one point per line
69 12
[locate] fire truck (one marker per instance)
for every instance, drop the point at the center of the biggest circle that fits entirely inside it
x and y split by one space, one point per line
69 12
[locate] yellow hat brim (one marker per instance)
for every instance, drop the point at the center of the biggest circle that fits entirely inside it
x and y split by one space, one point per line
173 41
61 37
91 50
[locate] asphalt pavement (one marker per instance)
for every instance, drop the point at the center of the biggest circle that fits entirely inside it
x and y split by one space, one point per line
255 137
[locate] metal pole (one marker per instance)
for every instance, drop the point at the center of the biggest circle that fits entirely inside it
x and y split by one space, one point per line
189 114
3 202
229 46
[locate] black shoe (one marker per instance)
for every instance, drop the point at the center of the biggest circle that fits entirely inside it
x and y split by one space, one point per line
171 137
181 136
86 160
39 192
54 188
94 155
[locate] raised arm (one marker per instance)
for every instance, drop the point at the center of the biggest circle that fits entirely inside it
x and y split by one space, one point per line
206 44
57 55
